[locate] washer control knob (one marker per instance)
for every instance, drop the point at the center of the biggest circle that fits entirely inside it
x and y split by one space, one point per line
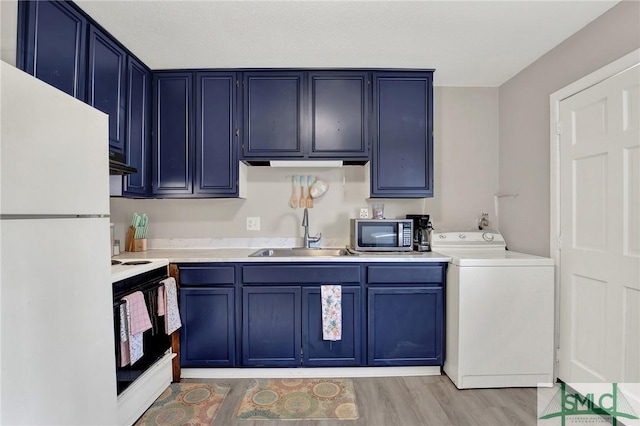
442 236
462 236
488 237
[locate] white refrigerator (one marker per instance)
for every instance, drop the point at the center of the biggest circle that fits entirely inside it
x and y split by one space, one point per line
57 345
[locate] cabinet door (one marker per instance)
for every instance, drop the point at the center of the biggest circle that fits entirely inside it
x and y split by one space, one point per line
402 155
53 37
273 114
171 153
319 352
339 114
271 326
207 337
138 139
405 325
107 70
215 139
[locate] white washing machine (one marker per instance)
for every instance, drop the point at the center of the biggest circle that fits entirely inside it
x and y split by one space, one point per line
499 312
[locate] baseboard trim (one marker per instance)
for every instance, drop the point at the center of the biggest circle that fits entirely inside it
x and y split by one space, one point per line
309 373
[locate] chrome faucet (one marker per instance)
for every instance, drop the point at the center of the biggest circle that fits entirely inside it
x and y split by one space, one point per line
307 239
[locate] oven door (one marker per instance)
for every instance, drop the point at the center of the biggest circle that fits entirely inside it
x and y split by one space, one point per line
155 341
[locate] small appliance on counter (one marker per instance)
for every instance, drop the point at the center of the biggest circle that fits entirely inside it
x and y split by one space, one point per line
421 231
381 235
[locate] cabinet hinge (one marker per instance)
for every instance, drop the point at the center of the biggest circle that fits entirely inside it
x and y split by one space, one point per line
237 133
301 355
559 242
237 83
558 128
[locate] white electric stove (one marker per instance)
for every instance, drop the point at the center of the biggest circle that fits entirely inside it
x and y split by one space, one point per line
127 268
499 312
139 384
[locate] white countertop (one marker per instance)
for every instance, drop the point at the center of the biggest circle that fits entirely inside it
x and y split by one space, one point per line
177 255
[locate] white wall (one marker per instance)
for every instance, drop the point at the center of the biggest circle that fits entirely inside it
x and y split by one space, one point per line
524 120
8 30
466 178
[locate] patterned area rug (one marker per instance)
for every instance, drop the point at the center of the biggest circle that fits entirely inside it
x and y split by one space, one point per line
299 399
185 404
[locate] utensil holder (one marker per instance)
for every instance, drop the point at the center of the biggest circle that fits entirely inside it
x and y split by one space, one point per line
133 244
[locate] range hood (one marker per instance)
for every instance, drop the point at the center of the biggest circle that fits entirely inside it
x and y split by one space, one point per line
117 166
306 163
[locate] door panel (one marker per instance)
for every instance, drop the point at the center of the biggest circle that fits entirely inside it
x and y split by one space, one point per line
208 333
138 139
273 114
600 228
55 46
319 352
339 104
215 133
402 150
172 139
107 69
271 326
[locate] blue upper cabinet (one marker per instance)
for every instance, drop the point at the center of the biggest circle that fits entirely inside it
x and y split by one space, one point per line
273 115
402 154
172 134
51 45
305 115
339 114
106 88
137 128
215 138
194 149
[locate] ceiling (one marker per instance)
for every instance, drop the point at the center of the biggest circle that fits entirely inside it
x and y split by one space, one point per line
468 43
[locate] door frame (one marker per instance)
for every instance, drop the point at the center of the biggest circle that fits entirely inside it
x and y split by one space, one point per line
555 240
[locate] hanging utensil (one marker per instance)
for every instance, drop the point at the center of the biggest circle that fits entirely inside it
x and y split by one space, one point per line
309 198
303 201
294 196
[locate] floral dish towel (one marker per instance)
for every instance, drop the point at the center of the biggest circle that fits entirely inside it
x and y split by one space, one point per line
331 296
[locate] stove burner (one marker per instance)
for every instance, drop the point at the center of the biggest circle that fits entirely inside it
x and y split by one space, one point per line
115 262
137 262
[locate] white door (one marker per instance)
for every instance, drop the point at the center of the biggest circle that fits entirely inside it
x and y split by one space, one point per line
600 231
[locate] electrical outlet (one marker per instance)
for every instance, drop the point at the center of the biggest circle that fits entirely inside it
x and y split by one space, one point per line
364 213
253 223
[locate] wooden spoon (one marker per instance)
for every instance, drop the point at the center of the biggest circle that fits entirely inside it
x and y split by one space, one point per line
309 198
294 197
303 201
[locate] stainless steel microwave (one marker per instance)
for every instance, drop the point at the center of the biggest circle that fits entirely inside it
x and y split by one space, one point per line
381 234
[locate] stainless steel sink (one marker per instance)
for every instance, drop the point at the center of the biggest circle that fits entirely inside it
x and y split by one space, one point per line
299 252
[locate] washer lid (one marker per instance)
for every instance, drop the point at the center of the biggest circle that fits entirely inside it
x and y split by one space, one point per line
493 257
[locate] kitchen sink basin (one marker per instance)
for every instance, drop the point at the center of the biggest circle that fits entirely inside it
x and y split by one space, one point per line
299 252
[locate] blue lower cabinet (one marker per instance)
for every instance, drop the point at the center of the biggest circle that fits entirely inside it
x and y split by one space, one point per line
405 325
319 352
271 322
207 337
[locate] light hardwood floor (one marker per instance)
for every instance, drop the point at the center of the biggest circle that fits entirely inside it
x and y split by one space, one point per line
407 401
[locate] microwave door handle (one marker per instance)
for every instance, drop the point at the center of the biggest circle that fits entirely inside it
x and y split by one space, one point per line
400 234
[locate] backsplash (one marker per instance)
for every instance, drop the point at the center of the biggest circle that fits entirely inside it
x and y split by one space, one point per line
268 197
